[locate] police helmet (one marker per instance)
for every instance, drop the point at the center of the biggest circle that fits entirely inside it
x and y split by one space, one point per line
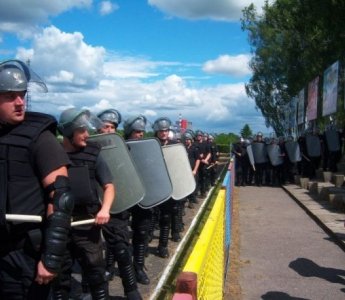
72 119
199 133
15 76
187 136
259 134
137 123
163 123
110 115
191 132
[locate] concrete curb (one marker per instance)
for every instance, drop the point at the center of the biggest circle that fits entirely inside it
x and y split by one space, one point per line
322 212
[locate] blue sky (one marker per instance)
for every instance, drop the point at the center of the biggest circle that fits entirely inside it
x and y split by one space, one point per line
154 57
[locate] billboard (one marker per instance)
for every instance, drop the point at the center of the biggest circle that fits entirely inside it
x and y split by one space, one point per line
330 89
293 112
300 108
313 92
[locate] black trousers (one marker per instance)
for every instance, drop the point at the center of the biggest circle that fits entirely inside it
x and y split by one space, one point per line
17 275
86 247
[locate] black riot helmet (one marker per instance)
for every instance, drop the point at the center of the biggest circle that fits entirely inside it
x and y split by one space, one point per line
110 115
187 136
16 75
134 123
163 123
199 132
72 119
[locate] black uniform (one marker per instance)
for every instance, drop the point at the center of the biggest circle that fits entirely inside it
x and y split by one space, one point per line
28 153
204 150
213 160
168 219
193 156
241 164
85 243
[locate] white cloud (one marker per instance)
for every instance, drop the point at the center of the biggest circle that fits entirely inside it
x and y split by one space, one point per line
21 17
107 7
229 65
222 10
65 60
223 108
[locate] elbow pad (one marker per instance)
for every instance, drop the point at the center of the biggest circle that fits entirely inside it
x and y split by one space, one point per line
58 226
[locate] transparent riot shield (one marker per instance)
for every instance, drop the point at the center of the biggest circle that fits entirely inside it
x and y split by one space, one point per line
332 140
148 157
293 151
274 154
259 152
313 145
128 184
180 171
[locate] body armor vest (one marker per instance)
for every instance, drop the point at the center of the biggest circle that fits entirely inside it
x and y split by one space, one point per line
86 158
22 192
192 155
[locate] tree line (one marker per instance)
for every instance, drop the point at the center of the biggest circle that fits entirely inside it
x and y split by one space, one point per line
292 42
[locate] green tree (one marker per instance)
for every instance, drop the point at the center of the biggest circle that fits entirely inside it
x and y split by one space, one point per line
246 131
292 42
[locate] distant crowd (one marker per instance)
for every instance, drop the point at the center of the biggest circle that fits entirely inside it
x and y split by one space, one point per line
274 161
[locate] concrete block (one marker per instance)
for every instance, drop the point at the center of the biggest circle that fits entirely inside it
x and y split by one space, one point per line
338 180
337 201
312 187
304 182
297 179
327 176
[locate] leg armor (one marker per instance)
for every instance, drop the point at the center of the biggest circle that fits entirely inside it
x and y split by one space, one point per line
58 225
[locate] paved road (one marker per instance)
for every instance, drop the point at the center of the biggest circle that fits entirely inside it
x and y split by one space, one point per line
284 253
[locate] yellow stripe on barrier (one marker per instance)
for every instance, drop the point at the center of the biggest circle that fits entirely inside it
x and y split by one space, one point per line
207 257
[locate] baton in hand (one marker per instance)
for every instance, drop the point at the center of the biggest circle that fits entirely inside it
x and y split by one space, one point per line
38 219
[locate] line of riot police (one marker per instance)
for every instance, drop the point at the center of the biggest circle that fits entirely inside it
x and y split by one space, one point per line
275 161
61 203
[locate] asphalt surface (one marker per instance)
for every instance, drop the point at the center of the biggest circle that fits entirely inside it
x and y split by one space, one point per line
291 246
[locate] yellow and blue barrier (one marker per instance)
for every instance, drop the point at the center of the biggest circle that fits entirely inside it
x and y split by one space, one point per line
204 273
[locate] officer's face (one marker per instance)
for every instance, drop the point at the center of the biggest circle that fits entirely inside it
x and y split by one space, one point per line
108 127
12 107
137 134
163 134
80 137
188 142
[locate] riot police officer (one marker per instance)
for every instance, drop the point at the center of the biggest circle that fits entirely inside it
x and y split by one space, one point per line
111 119
168 210
213 159
239 149
33 181
194 160
134 128
205 155
87 171
116 232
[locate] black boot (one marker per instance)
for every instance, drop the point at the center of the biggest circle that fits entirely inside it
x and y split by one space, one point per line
110 262
99 292
162 252
127 274
162 249
139 258
133 295
57 294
